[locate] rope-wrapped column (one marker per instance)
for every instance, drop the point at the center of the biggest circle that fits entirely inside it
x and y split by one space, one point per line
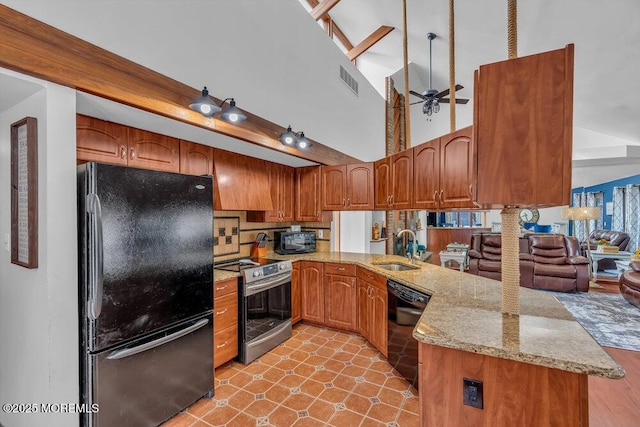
512 28
452 67
510 261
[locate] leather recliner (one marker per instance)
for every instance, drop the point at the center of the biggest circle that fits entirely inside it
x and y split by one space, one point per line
557 263
547 261
630 283
485 257
615 238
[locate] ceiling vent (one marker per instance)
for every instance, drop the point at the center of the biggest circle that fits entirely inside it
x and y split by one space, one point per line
348 80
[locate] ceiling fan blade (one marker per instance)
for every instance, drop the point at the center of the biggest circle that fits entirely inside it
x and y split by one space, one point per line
417 102
446 91
419 95
448 100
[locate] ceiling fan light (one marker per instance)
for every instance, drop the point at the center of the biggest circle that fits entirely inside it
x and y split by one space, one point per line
232 113
435 106
204 105
303 143
288 138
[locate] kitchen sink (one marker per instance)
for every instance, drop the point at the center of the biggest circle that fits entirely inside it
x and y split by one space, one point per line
397 267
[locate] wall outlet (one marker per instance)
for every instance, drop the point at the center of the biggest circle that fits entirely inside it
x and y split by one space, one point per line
472 393
320 234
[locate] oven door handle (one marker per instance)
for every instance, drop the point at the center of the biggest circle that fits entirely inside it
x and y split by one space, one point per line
263 286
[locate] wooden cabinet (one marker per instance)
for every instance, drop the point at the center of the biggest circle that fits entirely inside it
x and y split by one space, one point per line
340 296
225 321
281 184
195 159
523 125
296 294
394 181
347 187
106 142
241 182
445 171
307 195
372 308
312 290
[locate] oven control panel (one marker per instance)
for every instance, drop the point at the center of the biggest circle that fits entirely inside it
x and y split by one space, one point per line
258 272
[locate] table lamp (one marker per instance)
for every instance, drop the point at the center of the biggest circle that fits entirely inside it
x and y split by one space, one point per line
585 214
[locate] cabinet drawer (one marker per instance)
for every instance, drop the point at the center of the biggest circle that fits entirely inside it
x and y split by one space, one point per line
225 345
375 279
225 287
225 312
340 269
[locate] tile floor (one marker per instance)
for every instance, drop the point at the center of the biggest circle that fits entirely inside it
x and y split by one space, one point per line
319 377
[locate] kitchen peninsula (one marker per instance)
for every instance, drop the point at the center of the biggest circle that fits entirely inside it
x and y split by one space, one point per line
534 367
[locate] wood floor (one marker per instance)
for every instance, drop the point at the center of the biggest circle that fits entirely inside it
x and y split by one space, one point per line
615 402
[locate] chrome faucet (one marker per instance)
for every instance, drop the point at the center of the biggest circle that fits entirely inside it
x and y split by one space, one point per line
415 245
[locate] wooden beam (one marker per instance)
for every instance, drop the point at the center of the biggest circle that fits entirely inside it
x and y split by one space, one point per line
373 38
321 9
335 30
37 49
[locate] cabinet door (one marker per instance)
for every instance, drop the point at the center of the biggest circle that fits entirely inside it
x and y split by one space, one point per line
195 159
307 198
379 322
360 186
381 172
296 297
340 302
311 276
402 180
363 308
333 179
457 169
524 152
150 150
100 141
287 194
426 172
274 215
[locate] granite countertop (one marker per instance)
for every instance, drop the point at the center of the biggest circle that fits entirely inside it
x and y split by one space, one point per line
465 313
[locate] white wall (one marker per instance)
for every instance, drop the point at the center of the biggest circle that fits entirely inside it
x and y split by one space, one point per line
38 307
355 231
269 55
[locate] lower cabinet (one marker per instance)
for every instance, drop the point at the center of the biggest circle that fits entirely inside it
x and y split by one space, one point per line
225 321
340 296
372 308
312 291
296 294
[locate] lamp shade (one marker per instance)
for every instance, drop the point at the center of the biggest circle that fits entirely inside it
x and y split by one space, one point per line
303 143
288 138
204 105
578 213
233 113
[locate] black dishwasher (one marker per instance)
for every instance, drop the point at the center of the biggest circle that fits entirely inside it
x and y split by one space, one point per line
405 308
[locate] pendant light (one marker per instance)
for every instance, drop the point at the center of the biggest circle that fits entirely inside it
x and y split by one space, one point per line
288 138
204 105
232 113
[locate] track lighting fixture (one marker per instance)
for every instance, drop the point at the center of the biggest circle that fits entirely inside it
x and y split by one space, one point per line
205 106
291 139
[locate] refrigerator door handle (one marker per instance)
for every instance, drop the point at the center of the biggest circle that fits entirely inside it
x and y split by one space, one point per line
126 352
96 262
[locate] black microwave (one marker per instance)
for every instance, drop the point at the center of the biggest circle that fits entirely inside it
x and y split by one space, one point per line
294 242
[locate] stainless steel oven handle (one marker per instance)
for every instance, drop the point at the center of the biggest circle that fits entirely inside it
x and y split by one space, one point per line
119 354
263 286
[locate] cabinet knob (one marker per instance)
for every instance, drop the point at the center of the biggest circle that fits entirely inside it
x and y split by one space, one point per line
132 154
391 198
123 152
435 196
222 345
221 288
441 193
344 202
348 202
221 312
470 189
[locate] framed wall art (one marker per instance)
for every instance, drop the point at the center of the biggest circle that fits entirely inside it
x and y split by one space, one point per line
24 192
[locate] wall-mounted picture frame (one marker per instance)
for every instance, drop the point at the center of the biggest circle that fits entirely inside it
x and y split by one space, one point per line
24 192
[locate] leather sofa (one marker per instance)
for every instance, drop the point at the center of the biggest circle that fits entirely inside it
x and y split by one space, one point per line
615 238
547 261
630 283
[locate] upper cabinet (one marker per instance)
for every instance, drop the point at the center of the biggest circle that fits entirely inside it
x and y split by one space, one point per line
195 159
281 184
523 119
308 195
347 187
106 142
394 181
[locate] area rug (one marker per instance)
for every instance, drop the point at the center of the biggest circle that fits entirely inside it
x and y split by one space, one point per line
609 318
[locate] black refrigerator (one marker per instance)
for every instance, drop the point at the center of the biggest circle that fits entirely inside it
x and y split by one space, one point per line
145 294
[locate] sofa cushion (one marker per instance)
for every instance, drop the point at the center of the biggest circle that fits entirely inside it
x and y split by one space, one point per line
555 270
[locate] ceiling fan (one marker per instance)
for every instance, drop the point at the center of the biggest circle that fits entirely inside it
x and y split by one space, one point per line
431 97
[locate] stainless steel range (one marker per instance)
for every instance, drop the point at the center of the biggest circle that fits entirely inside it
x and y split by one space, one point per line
265 305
